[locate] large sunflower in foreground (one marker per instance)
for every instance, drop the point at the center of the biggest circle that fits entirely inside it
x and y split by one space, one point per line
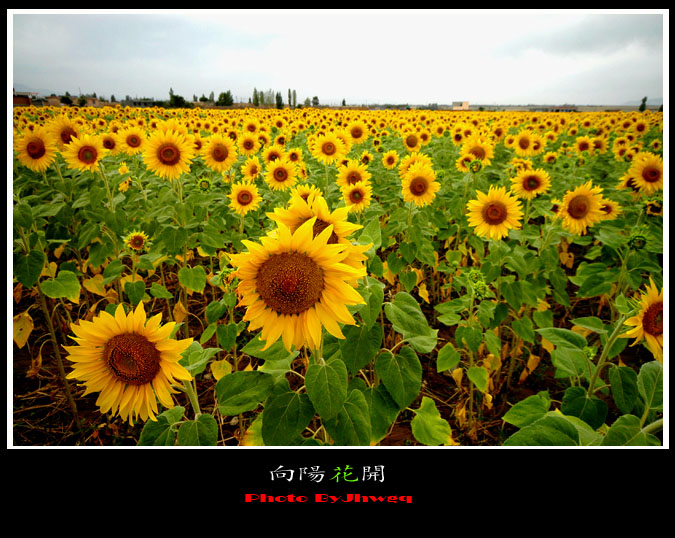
84 153
530 183
219 152
168 154
244 197
648 322
646 172
495 213
36 149
581 208
130 360
293 284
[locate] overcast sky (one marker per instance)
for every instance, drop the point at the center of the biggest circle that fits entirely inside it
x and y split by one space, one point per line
362 56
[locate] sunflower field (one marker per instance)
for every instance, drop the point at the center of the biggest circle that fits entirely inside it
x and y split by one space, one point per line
337 277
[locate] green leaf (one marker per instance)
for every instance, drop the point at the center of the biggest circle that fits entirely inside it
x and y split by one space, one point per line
162 432
543 318
160 292
27 268
383 411
215 311
428 427
394 263
360 345
512 294
524 328
626 431
200 432
239 392
227 335
591 323
528 410
624 387
479 377
408 251
650 384
351 425
286 415
407 319
112 271
65 284
563 337
193 278
569 362
408 279
469 337
371 233
135 291
326 386
592 410
195 358
401 374
370 313
448 358
550 430
174 239
275 352
493 343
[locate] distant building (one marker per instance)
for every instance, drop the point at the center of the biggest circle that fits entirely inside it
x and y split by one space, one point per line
460 105
136 102
24 98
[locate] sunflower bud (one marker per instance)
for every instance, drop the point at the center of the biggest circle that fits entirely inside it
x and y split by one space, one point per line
476 166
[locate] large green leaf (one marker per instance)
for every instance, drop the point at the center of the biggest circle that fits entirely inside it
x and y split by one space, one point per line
162 432
200 432
623 381
326 386
242 391
428 427
650 384
286 415
591 409
528 410
65 284
351 425
27 268
550 430
407 318
192 278
360 345
401 374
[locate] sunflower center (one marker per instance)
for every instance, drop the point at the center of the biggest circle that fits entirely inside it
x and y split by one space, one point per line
583 146
248 144
524 143
168 154
494 213
652 321
133 141
355 196
244 198
67 133
651 174
579 207
356 132
108 143
328 148
132 358
219 153
136 242
87 155
478 152
280 175
35 149
531 183
290 282
320 226
411 141
353 177
418 186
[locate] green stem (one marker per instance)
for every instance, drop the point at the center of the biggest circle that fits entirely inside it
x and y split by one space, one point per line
605 351
192 395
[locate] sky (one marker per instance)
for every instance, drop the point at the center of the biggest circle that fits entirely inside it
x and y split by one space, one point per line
416 57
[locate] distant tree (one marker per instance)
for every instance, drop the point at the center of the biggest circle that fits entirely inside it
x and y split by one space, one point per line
256 98
308 102
344 103
177 101
66 100
279 100
226 99
643 105
203 99
295 99
290 98
661 108
112 98
211 97
315 101
82 101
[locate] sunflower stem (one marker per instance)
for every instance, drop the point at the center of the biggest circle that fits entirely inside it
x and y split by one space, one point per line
605 351
192 396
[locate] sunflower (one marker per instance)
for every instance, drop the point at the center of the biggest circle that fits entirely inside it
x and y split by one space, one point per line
168 154
610 209
306 192
479 147
495 213
219 153
462 163
281 174
37 149
352 172
136 240
64 129
411 140
84 153
244 198
293 284
530 183
357 131
131 140
273 153
251 168
130 360
648 322
411 158
248 144
110 142
357 196
419 184
328 148
583 143
523 143
647 172
390 159
581 208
